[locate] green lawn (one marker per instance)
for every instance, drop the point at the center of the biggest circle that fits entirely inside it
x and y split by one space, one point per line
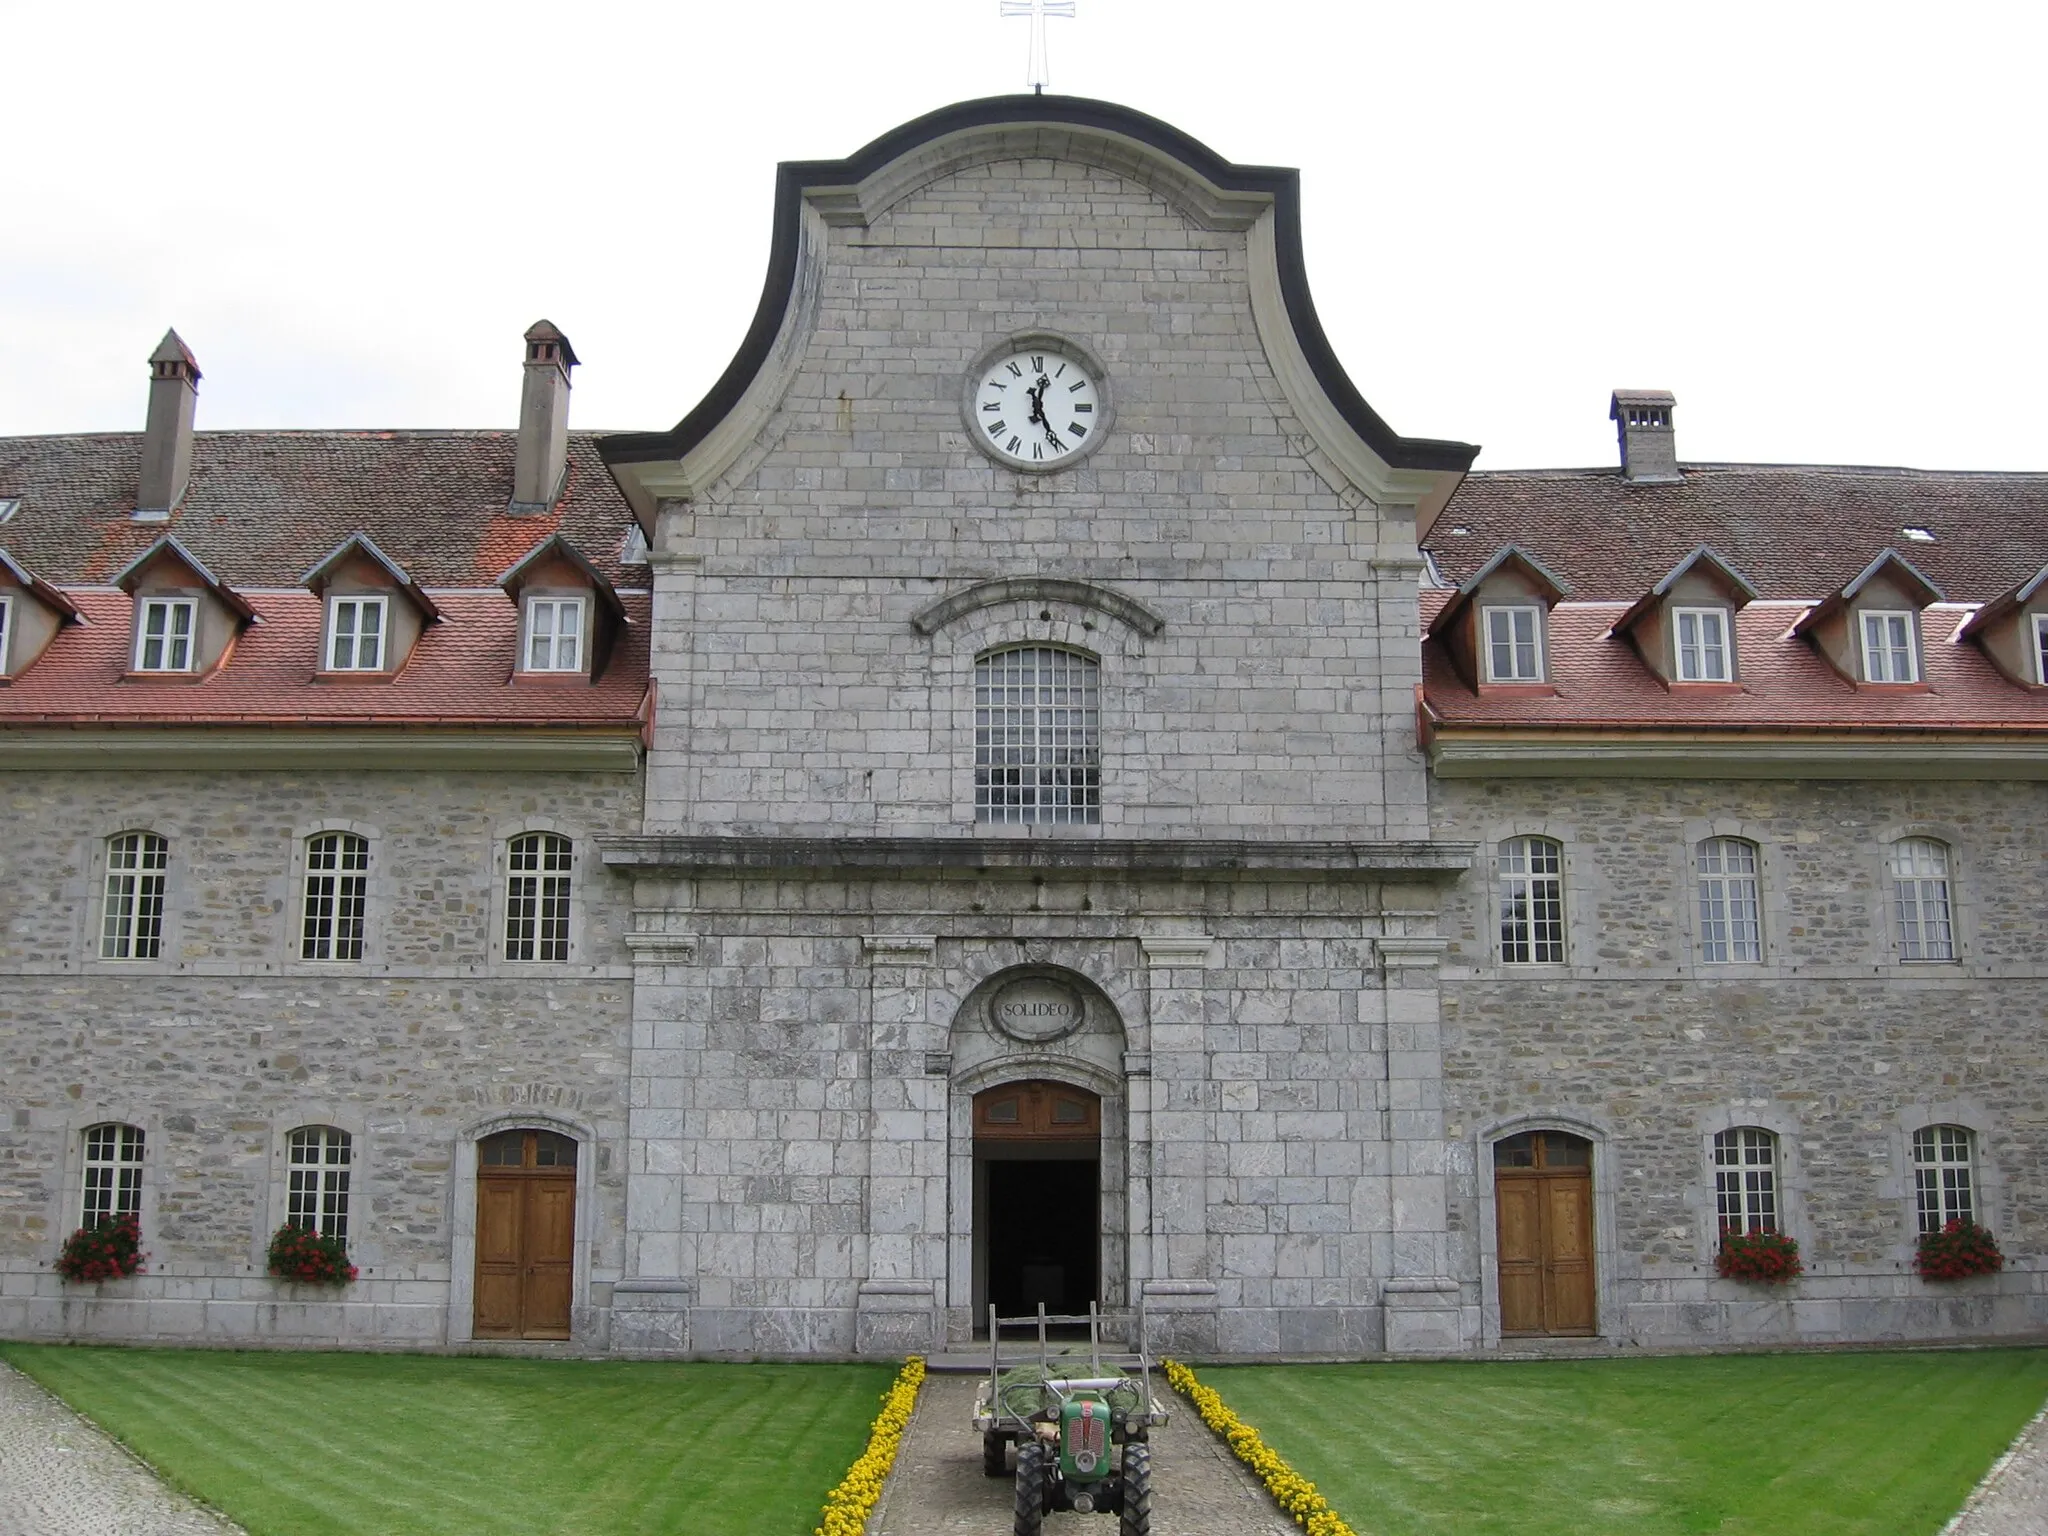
1818 1445
413 1445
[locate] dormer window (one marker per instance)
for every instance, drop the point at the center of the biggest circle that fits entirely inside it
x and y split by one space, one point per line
554 634
6 613
2041 649
1514 645
355 634
1888 648
1702 644
163 639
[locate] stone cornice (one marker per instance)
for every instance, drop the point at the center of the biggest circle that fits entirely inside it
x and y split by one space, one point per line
421 746
1494 754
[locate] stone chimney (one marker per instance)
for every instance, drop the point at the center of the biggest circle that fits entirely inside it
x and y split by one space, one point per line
542 459
1649 448
167 435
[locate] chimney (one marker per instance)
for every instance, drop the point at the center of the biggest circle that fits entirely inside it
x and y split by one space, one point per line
542 459
1649 449
167 435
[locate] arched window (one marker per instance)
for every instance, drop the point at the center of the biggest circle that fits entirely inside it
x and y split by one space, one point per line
1920 894
113 1173
1731 926
317 1198
1036 753
337 897
1944 1175
132 921
1531 901
1746 1179
537 896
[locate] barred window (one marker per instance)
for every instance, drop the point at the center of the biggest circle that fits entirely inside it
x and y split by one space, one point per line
1036 754
1746 1179
1920 892
537 897
132 924
1943 1185
1531 901
1514 645
1731 929
113 1173
337 896
317 1197
355 634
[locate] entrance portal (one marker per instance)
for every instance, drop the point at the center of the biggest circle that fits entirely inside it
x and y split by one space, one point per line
1543 1201
1037 1199
525 1235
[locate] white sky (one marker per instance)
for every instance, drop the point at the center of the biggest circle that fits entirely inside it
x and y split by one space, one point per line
1817 222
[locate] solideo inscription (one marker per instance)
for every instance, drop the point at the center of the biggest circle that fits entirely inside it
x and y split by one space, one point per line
1037 1009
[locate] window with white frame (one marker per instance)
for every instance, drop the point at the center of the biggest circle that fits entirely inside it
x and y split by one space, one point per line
163 638
2041 648
1920 898
113 1173
1514 645
1888 648
1944 1183
355 634
1702 644
337 897
1731 924
554 634
316 1198
537 897
6 626
1037 757
1531 901
132 918
1746 1179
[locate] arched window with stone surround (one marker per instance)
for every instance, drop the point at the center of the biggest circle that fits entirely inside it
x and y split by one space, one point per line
1944 1176
132 915
1531 874
113 1173
1921 899
537 878
316 1199
1746 1179
1731 923
1037 749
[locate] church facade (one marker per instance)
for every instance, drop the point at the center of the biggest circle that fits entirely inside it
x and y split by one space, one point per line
1031 793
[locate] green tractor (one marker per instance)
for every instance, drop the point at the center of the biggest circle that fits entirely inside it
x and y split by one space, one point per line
1080 1424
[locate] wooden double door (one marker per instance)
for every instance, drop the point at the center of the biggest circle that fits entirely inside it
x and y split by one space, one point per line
1543 1204
525 1235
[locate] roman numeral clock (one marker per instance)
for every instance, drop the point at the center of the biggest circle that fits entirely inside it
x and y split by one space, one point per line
1037 403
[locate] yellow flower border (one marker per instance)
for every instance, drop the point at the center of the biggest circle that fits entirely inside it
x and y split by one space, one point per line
1294 1493
847 1507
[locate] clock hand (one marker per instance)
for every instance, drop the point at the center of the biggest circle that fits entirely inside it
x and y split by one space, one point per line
1038 402
1053 438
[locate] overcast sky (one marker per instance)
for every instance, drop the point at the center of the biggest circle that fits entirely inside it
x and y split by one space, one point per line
1818 223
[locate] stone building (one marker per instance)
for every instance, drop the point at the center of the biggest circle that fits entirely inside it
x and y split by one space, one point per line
1031 793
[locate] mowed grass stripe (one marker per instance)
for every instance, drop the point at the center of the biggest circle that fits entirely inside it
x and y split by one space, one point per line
1820 1445
382 1445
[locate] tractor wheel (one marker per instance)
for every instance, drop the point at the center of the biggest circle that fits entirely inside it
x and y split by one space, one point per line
994 1454
1136 1516
1030 1487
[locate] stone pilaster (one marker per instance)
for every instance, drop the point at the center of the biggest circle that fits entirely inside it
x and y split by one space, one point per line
1170 1110
651 1301
906 1184
1419 1294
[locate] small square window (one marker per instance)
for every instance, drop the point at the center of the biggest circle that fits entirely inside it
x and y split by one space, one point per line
1514 645
1702 645
355 634
554 634
1888 648
163 640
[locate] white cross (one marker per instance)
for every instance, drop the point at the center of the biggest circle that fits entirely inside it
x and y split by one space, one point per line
1038 10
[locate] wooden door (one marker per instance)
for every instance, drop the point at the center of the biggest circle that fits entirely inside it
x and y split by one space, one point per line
525 1235
1543 1204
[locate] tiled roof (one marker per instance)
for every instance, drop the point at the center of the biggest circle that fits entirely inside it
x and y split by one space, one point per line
1794 531
262 506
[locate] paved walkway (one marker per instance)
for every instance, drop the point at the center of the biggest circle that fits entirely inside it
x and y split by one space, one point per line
2013 1498
61 1477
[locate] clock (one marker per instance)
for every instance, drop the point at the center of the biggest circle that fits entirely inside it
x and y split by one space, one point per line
1037 405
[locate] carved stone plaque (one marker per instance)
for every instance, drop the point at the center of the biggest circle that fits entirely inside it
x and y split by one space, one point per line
1037 1008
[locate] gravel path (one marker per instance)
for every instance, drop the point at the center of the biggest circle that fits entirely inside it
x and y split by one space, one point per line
2013 1498
937 1488
61 1477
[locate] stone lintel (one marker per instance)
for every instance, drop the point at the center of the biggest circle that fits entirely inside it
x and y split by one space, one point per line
1192 951
1400 952
899 948
662 948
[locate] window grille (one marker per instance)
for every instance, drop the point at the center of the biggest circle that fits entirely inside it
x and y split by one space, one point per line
132 924
355 634
337 896
1531 901
1036 753
113 1173
1702 645
1921 895
1943 1185
1731 929
554 634
537 897
163 643
1514 645
1888 648
316 1199
1746 1179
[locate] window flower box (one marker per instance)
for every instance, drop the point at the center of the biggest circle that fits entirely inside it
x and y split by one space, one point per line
110 1249
1761 1258
307 1258
1958 1251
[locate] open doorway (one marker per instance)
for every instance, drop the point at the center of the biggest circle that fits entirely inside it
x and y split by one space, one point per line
1037 1199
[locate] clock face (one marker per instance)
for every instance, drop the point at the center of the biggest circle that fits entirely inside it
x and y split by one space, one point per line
1036 408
